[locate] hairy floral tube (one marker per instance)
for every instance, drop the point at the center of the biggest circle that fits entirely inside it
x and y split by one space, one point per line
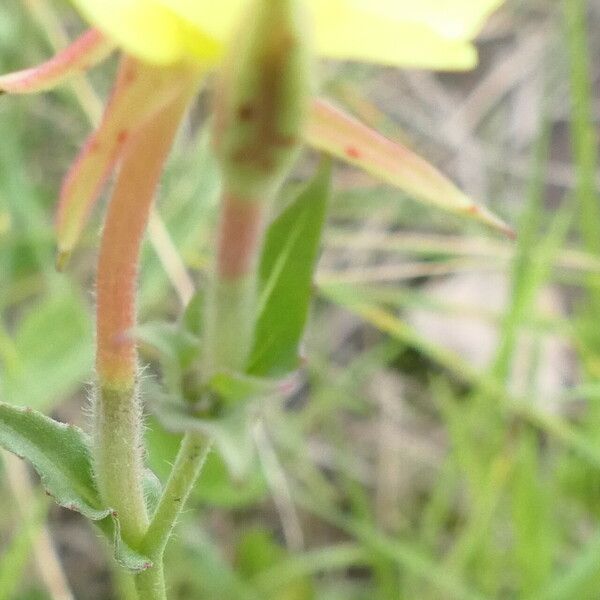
117 410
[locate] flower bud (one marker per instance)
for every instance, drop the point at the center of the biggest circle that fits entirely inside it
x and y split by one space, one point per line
263 97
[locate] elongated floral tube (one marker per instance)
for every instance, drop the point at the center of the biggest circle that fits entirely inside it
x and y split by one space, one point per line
261 109
117 410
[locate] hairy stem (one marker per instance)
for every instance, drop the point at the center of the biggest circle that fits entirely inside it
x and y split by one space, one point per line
227 343
119 458
190 458
260 109
150 584
118 413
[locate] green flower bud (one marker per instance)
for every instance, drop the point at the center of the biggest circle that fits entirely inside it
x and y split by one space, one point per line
263 97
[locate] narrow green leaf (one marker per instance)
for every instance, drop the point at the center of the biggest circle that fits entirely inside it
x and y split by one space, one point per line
535 528
286 274
258 552
191 321
579 579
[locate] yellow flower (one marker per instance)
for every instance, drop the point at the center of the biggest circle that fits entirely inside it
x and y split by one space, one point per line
427 33
171 44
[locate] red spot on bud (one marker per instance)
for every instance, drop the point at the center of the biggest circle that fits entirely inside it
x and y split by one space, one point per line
130 74
353 152
122 136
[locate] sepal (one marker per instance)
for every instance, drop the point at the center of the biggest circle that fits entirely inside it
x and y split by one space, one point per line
335 132
85 52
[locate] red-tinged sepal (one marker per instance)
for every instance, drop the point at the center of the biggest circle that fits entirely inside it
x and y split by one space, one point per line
84 53
141 91
335 132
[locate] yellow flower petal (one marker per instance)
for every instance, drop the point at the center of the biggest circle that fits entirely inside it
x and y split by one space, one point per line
143 28
372 35
216 18
426 33
452 19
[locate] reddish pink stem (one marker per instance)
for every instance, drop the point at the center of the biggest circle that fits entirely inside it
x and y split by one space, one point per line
240 231
116 359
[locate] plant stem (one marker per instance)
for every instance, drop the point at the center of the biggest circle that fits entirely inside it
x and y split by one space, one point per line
188 464
228 338
119 459
118 447
125 583
150 584
259 114
231 303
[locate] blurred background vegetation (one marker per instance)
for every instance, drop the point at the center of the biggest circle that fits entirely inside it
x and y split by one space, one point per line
444 441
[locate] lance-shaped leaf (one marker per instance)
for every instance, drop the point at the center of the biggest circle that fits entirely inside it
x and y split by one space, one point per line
140 92
335 132
286 278
86 51
61 456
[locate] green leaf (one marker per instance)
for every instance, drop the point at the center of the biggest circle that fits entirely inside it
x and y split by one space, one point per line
232 433
192 317
171 342
176 350
60 454
238 387
16 554
124 555
258 553
286 273
152 490
53 345
217 486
